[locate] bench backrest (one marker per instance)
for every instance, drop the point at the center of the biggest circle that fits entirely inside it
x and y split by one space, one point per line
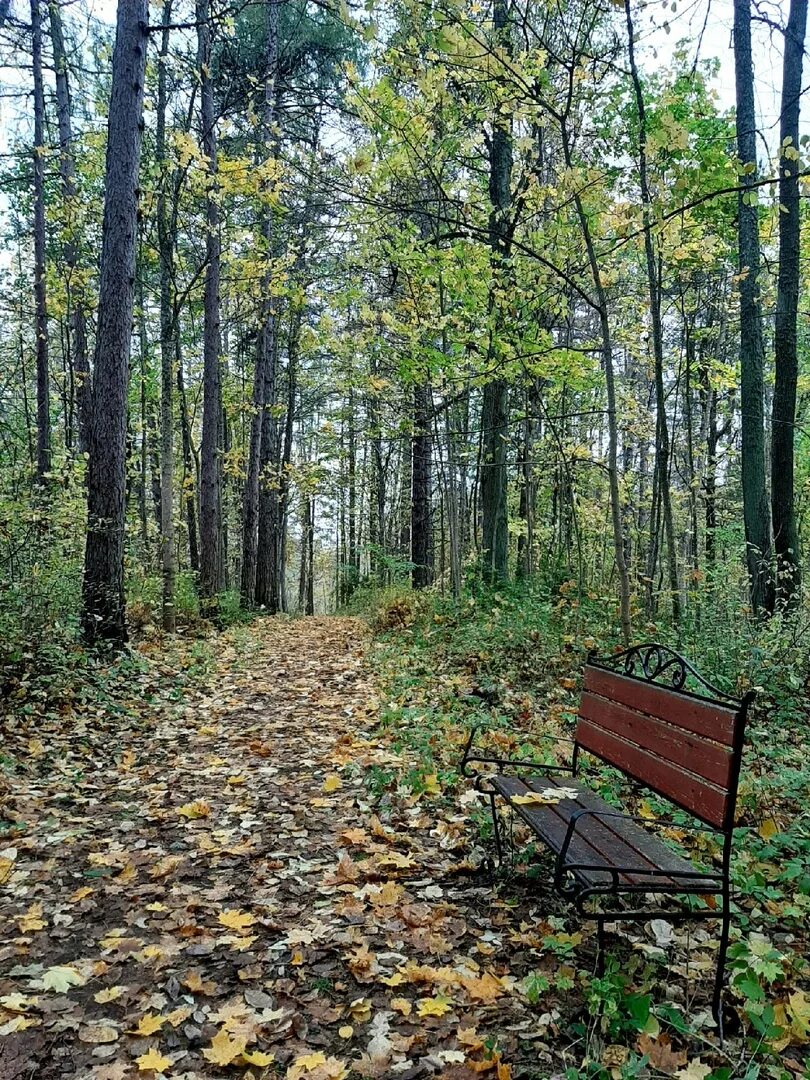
679 744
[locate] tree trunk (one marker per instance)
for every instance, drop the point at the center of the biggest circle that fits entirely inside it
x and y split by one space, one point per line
752 352
662 426
79 365
783 415
40 304
267 339
103 615
210 456
167 330
421 449
495 405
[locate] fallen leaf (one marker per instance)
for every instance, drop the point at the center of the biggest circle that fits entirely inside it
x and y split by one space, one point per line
148 1025
223 1049
60 979
437 1006
236 920
193 810
98 1034
154 1060
331 783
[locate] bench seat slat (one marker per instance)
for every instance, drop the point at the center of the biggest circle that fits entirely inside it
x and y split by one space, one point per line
599 843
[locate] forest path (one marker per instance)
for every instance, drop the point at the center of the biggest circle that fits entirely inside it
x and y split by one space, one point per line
239 888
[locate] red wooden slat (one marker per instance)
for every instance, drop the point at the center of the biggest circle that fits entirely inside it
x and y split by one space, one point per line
699 797
682 748
706 718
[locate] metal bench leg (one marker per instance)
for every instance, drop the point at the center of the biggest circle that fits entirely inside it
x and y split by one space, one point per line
719 979
496 828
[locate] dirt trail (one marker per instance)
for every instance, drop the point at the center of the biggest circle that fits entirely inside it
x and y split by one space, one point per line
223 892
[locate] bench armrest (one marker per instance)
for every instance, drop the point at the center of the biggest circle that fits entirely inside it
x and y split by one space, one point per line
561 867
511 763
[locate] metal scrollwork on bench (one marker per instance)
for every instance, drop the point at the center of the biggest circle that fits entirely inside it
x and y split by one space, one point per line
657 663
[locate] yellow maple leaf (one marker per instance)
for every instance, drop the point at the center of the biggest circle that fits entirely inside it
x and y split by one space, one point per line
317 1065
402 1005
154 1060
223 1049
331 783
148 1025
80 894
31 920
258 1058
437 1006
112 993
197 809
236 920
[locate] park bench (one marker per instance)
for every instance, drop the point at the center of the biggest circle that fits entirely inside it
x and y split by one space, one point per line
638 714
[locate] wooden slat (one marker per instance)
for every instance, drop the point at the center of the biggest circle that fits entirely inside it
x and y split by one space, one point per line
706 718
647 848
694 794
599 842
701 756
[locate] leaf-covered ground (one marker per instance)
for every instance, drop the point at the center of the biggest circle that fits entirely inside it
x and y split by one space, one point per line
229 883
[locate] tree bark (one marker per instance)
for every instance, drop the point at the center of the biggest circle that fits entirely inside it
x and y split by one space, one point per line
421 452
77 301
40 301
495 404
167 330
783 415
752 351
103 615
267 339
211 570
662 426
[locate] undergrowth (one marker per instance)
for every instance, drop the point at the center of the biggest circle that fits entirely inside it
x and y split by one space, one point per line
509 662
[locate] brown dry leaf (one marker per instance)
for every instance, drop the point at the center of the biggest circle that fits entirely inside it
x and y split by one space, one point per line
97 1034
661 1054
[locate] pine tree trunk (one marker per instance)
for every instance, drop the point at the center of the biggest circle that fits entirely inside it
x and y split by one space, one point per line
103 615
167 331
40 302
421 453
267 341
79 365
752 351
783 416
211 570
662 426
495 404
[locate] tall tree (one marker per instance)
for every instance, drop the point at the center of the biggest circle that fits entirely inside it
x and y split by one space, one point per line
752 351
783 415
264 372
78 361
662 423
495 406
211 569
103 615
421 450
40 303
167 332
